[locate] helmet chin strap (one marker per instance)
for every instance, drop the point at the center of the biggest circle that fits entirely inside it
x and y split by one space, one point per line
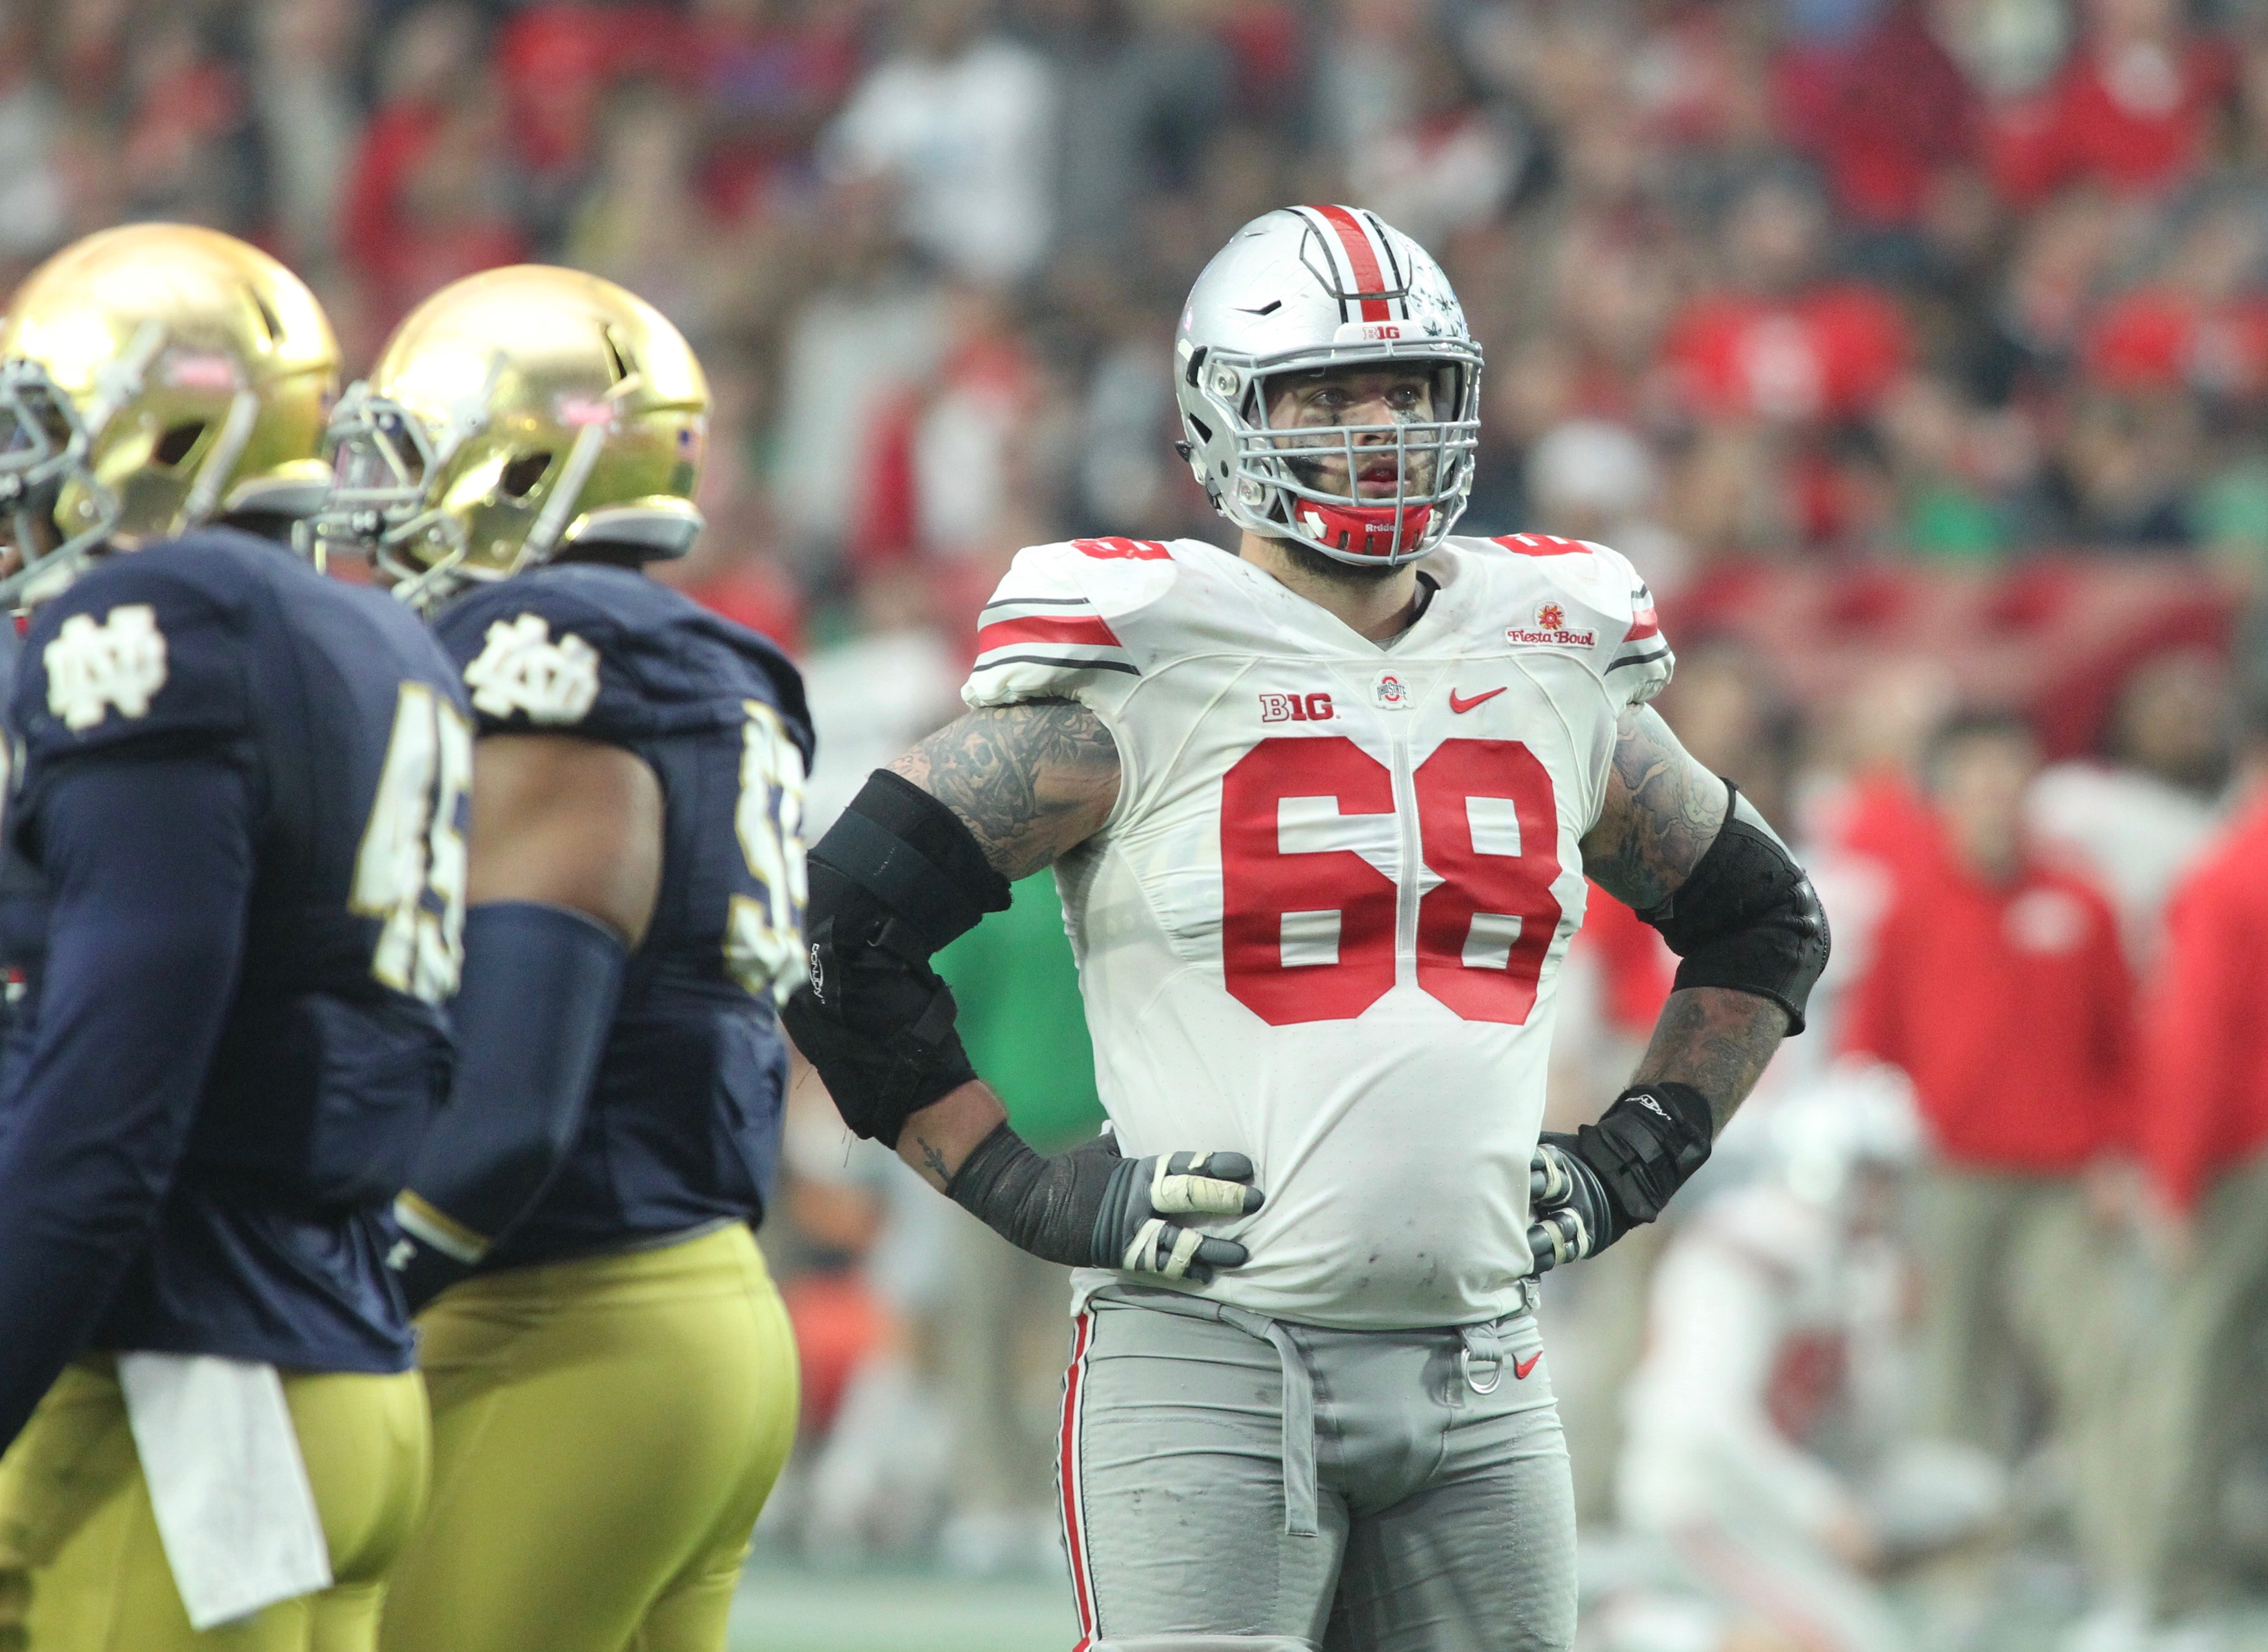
220 463
582 458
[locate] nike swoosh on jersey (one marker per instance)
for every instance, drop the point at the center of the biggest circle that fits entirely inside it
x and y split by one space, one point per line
1521 1368
1457 702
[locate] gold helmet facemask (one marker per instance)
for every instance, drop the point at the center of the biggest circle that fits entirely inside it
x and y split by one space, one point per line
514 416
151 377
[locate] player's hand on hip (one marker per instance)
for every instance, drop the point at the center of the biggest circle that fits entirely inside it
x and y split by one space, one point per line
1570 1214
1588 1189
1133 1228
1093 1207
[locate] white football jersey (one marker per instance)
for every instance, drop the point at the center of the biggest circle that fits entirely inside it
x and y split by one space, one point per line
1322 924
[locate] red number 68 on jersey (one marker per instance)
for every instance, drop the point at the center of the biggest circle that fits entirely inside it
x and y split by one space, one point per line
1310 935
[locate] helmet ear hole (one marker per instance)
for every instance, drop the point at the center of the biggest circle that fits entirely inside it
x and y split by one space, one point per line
520 477
177 444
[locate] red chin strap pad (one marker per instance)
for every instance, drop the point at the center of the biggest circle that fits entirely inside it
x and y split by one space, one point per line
1365 530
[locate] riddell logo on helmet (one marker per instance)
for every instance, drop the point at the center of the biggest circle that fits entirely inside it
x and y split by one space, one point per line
1296 708
1551 628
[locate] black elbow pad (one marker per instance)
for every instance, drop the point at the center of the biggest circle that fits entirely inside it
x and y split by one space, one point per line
1747 917
895 878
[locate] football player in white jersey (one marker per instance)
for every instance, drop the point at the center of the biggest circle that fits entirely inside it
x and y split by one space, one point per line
1320 813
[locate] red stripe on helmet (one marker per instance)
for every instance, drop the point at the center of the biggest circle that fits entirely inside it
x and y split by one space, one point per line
1362 259
1085 631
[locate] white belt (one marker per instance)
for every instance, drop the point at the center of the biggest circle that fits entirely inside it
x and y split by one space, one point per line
1483 1347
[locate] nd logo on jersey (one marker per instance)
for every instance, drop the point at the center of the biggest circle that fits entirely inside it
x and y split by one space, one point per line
93 667
521 669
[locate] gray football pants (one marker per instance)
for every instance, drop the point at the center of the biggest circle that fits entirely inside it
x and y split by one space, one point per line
1418 1501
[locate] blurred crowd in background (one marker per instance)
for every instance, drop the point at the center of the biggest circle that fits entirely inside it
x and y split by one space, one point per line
1932 279
1915 350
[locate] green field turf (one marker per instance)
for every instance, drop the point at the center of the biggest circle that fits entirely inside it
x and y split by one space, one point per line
780 1610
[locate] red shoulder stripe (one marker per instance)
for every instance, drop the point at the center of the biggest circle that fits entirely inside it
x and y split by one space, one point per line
1084 631
1643 625
1541 545
1113 550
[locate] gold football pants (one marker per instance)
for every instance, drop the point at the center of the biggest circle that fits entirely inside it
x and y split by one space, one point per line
605 1433
81 1566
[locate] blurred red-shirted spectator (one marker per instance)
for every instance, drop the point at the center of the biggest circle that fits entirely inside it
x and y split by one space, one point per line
1990 950
1887 113
2132 109
946 471
1776 342
2201 326
1998 985
2206 1110
1636 967
428 198
768 76
555 61
2203 1135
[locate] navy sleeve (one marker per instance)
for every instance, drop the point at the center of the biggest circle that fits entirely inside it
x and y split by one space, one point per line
151 864
540 987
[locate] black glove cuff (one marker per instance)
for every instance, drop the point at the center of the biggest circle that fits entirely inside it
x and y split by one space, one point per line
1035 1201
1648 1145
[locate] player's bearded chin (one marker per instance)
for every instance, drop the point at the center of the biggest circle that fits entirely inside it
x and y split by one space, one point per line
1378 471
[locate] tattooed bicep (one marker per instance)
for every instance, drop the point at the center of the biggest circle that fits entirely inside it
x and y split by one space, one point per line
1030 780
1662 812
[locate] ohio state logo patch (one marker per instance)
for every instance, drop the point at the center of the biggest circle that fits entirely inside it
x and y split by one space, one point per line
1389 693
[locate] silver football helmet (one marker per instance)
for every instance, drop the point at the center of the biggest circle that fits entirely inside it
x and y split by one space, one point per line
1307 289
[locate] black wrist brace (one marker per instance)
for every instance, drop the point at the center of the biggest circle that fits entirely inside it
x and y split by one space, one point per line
1646 1146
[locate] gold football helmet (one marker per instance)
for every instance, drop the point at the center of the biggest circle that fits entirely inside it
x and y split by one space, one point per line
514 415
154 377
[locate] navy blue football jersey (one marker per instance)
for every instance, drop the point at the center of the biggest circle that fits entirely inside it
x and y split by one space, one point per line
336 728
684 1122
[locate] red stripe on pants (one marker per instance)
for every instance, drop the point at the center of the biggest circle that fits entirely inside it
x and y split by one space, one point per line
1074 1532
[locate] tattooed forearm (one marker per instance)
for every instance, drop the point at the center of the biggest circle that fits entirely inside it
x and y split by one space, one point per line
1030 780
932 1162
1716 1039
937 1139
1662 812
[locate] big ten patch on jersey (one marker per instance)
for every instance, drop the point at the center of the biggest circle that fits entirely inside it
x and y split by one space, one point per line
684 1122
353 724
